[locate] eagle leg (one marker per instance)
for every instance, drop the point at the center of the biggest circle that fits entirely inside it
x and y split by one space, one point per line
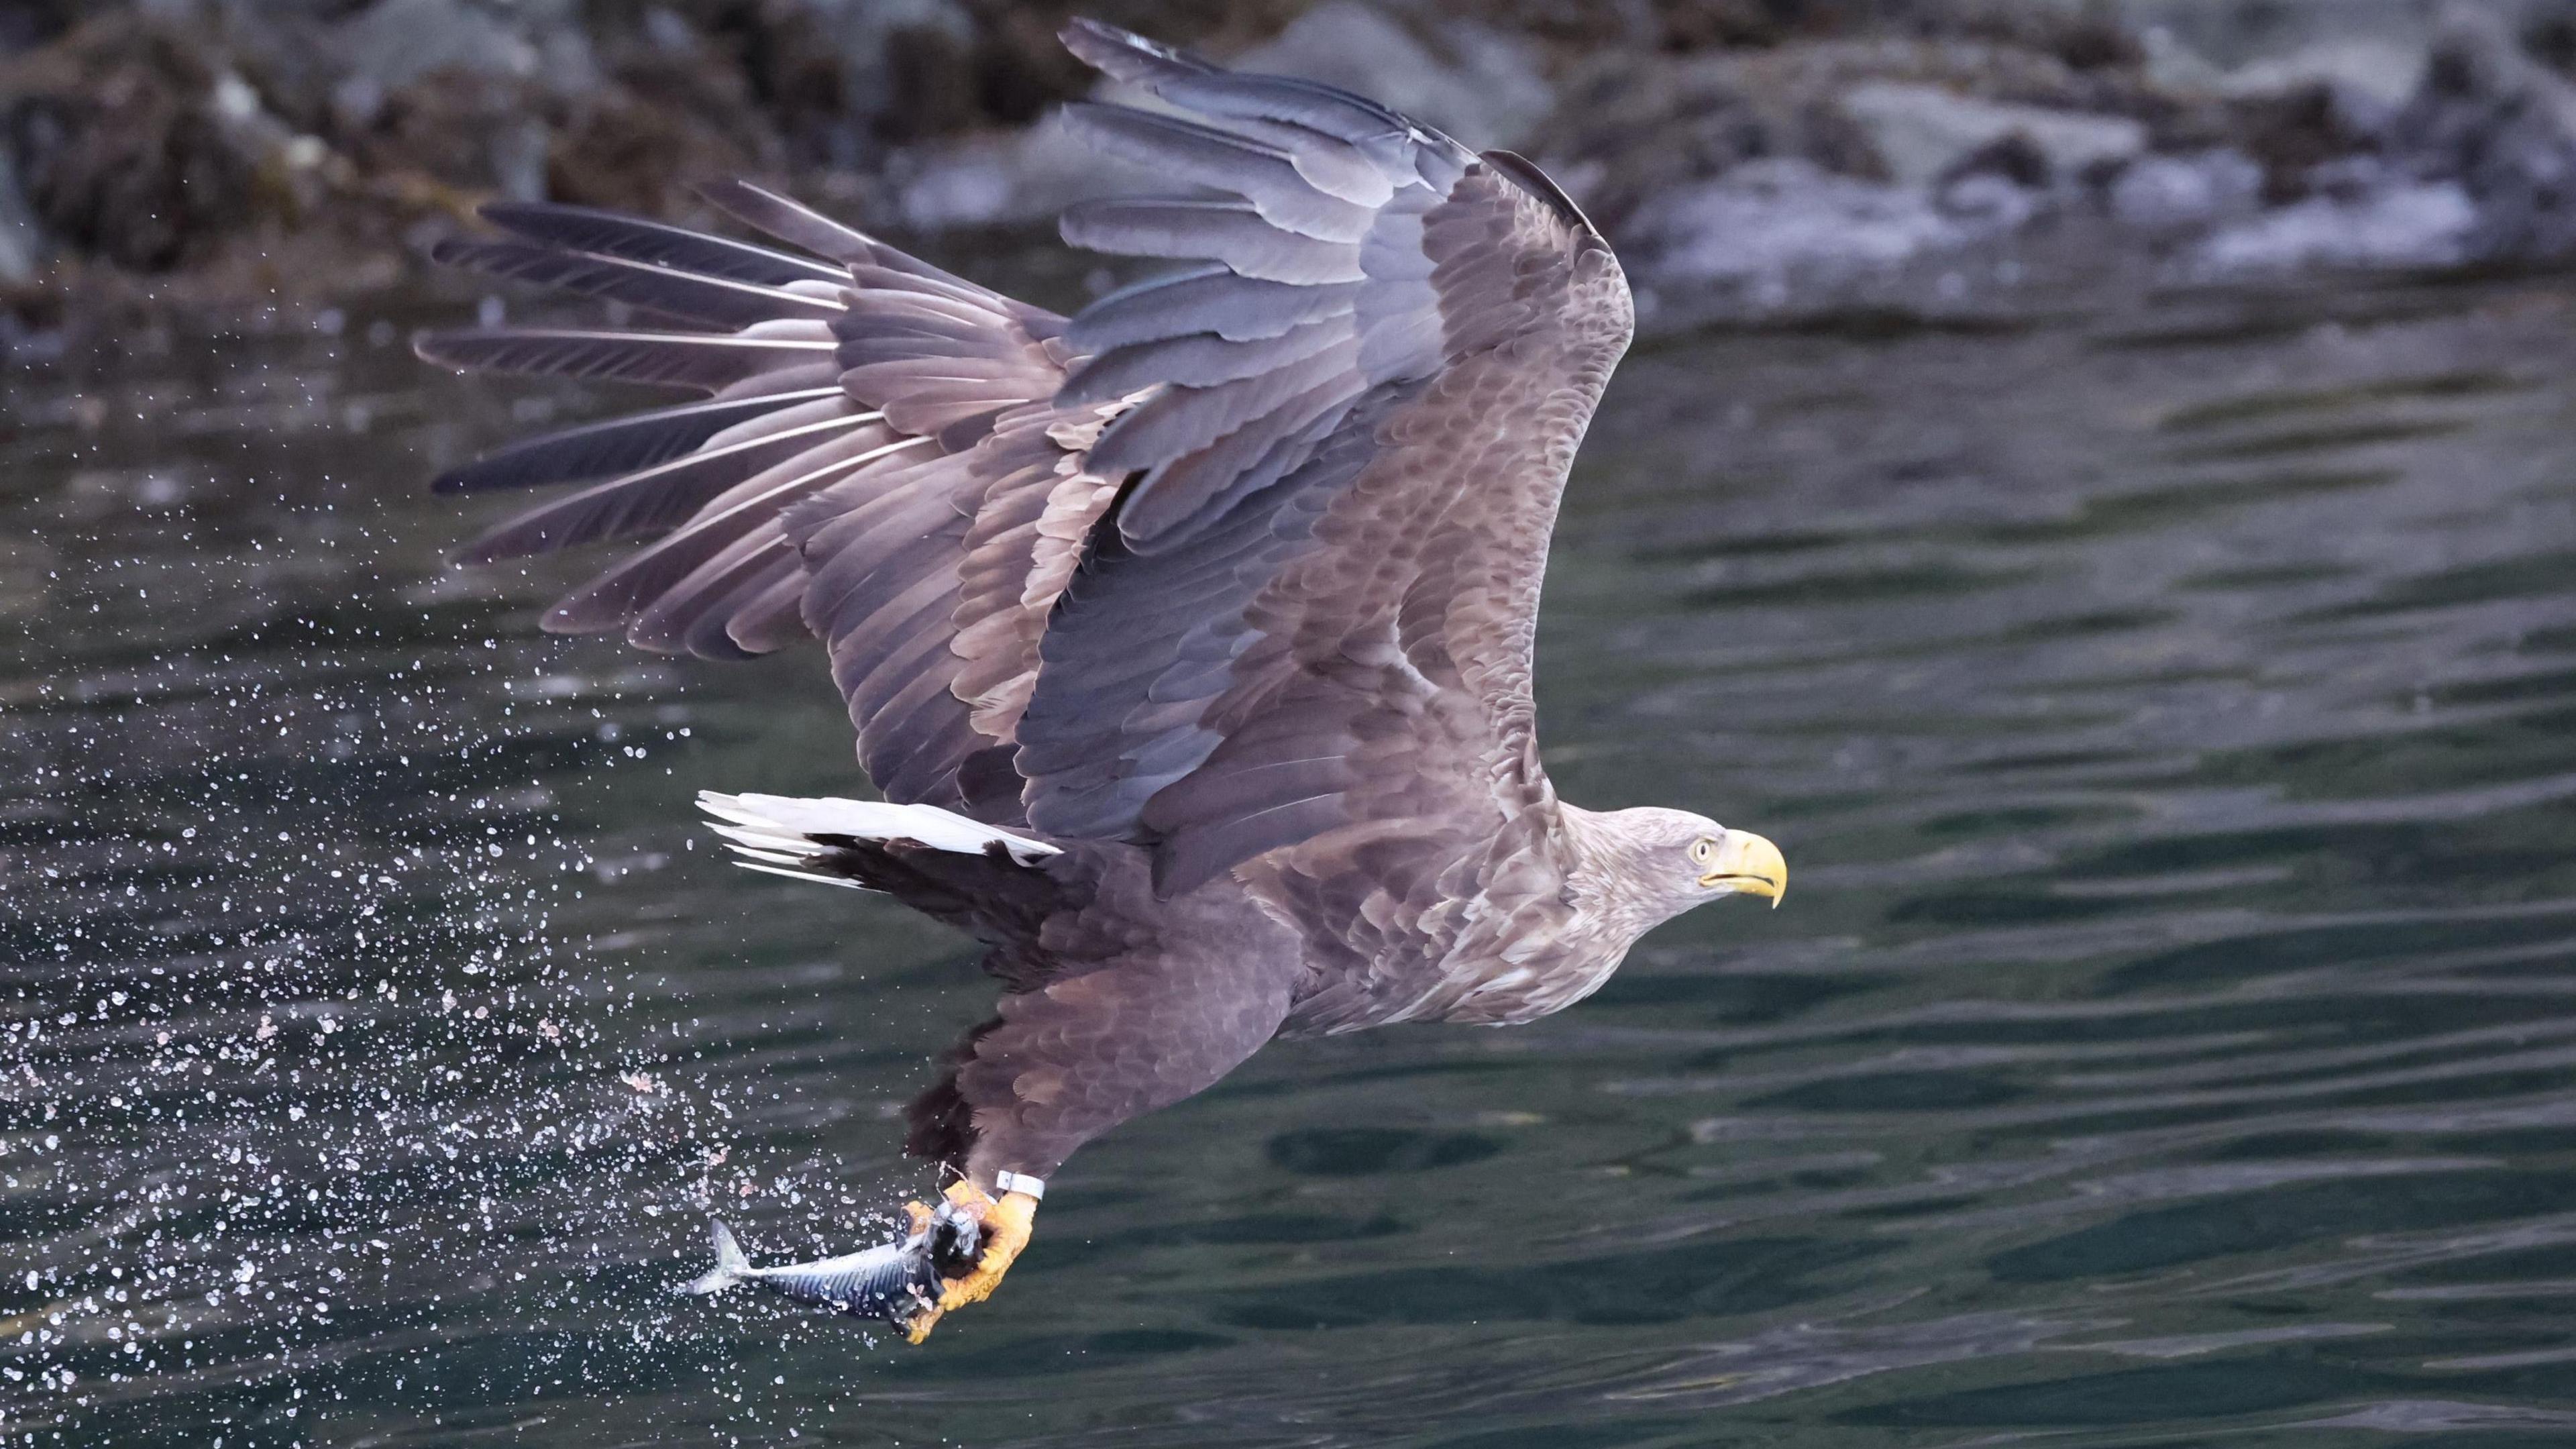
1004 1225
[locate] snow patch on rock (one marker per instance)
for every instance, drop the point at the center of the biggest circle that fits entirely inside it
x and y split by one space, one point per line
2426 224
1766 222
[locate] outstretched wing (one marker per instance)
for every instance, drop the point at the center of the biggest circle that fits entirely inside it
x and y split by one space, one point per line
879 463
1305 628
1240 563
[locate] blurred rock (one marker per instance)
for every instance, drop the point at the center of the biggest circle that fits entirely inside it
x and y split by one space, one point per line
904 64
1475 83
1768 224
2375 47
1990 201
460 132
25 24
1723 144
669 122
2291 133
1922 133
1632 129
2174 193
2503 126
119 146
788 66
395 42
22 236
2375 73
1633 126
2409 224
1483 88
1022 177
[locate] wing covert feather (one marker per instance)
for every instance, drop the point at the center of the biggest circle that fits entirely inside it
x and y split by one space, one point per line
1307 623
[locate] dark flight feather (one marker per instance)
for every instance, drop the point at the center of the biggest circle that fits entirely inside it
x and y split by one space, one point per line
581 229
715 301
616 445
707 361
652 499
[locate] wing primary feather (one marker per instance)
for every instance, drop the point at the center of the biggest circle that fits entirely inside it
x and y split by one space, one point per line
717 300
872 262
586 229
656 498
792 221
611 600
708 361
618 445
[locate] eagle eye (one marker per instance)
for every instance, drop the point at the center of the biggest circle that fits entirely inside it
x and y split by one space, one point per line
1704 850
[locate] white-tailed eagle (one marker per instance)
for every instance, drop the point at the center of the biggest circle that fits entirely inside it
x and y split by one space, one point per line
1188 638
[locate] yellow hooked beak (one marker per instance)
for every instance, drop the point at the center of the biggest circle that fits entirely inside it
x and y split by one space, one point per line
1750 864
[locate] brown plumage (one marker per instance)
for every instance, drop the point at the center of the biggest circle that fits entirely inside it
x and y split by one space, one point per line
1189 637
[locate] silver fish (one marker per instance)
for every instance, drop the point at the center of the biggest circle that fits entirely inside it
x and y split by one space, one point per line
891 1282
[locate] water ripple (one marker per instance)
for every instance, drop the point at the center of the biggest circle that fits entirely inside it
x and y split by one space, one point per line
2169 712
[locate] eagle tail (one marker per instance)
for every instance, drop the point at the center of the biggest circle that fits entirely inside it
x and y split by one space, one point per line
815 839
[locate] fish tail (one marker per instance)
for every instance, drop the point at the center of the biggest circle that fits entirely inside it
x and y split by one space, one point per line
731 1265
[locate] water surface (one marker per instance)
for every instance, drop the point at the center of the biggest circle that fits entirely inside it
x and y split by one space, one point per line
2169 708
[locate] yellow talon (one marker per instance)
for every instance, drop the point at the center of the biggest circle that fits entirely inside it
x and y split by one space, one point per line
1006 1224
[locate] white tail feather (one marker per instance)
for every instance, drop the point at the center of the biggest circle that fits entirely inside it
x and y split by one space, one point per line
779 833
794 874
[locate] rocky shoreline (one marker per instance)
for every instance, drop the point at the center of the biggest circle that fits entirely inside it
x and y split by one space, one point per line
1749 157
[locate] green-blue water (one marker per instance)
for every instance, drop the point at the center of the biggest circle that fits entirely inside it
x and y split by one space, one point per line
2169 712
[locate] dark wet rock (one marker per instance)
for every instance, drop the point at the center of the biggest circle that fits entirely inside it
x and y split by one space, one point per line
2014 157
2549 36
1747 145
120 146
862 72
2502 126
1634 126
25 24
2477 163
667 123
2080 37
22 236
2292 132
1789 174
391 45
460 132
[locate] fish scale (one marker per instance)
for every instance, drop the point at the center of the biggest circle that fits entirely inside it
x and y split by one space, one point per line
890 1282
